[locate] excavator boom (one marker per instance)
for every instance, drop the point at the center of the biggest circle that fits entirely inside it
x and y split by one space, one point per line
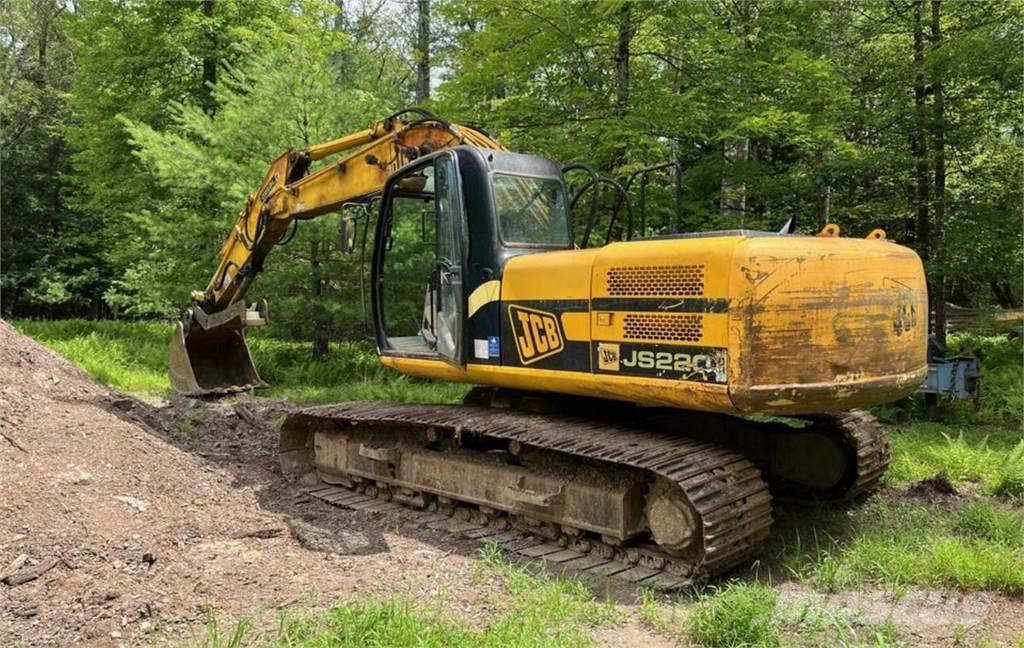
208 353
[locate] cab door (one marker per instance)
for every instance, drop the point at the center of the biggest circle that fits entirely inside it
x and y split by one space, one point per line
419 261
451 249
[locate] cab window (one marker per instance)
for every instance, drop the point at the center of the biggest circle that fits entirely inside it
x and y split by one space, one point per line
531 211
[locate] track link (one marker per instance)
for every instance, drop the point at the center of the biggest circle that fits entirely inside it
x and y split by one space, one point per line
725 489
869 443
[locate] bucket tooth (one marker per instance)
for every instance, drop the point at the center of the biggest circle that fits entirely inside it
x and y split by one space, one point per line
209 355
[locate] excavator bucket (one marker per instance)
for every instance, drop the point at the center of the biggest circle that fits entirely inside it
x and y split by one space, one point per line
208 354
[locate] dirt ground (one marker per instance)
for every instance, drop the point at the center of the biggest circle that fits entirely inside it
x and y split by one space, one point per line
143 519
159 515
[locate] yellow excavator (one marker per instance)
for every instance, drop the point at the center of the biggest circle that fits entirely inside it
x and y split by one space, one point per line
632 402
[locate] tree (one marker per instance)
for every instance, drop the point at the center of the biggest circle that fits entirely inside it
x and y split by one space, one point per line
135 62
422 50
287 95
816 111
50 261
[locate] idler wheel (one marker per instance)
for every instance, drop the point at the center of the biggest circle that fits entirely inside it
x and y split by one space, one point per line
672 520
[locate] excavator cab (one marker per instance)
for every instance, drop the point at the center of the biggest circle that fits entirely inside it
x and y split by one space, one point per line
446 226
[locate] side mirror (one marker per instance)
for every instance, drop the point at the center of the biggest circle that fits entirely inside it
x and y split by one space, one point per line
347 234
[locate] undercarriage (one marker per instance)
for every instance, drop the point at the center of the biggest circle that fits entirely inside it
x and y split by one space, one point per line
672 497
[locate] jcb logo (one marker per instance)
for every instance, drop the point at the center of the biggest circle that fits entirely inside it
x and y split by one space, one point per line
538 334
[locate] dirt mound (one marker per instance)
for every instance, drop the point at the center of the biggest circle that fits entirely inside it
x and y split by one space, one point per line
127 522
937 486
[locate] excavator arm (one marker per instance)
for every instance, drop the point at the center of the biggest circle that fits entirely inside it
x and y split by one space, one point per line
208 353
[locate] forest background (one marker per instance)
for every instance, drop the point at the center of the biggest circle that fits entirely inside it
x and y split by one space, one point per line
133 131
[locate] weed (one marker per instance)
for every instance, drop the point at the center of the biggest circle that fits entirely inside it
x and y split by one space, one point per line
132 356
985 455
657 613
187 427
740 614
542 599
842 626
1009 481
216 638
396 622
985 521
960 635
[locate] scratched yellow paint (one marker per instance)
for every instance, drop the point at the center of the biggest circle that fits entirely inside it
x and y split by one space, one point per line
809 324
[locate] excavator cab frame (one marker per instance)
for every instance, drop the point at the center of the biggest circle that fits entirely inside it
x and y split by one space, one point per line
474 192
444 301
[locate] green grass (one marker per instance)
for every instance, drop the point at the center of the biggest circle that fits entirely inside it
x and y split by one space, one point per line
979 546
751 614
132 356
990 456
542 611
740 614
815 625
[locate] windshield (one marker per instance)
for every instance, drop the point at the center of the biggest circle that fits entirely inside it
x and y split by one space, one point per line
531 211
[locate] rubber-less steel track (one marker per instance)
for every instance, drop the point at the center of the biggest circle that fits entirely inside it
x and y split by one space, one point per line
863 440
724 488
869 443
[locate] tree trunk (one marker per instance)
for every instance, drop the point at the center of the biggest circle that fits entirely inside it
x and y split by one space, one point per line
919 147
1003 293
824 205
210 60
733 199
626 32
320 343
422 50
622 75
733 195
339 18
939 109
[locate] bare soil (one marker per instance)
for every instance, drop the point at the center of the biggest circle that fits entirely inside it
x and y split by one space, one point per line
142 520
159 515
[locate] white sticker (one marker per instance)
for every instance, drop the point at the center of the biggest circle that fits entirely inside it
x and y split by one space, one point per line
480 349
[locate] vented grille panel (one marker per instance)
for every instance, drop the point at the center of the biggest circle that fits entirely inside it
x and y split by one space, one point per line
656 281
657 326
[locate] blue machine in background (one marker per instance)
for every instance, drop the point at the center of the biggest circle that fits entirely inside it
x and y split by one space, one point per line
954 378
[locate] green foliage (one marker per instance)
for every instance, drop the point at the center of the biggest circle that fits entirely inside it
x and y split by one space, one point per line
772 117
133 132
51 264
1010 475
821 625
545 611
375 624
216 637
739 614
987 455
978 547
985 521
1002 374
133 356
292 74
